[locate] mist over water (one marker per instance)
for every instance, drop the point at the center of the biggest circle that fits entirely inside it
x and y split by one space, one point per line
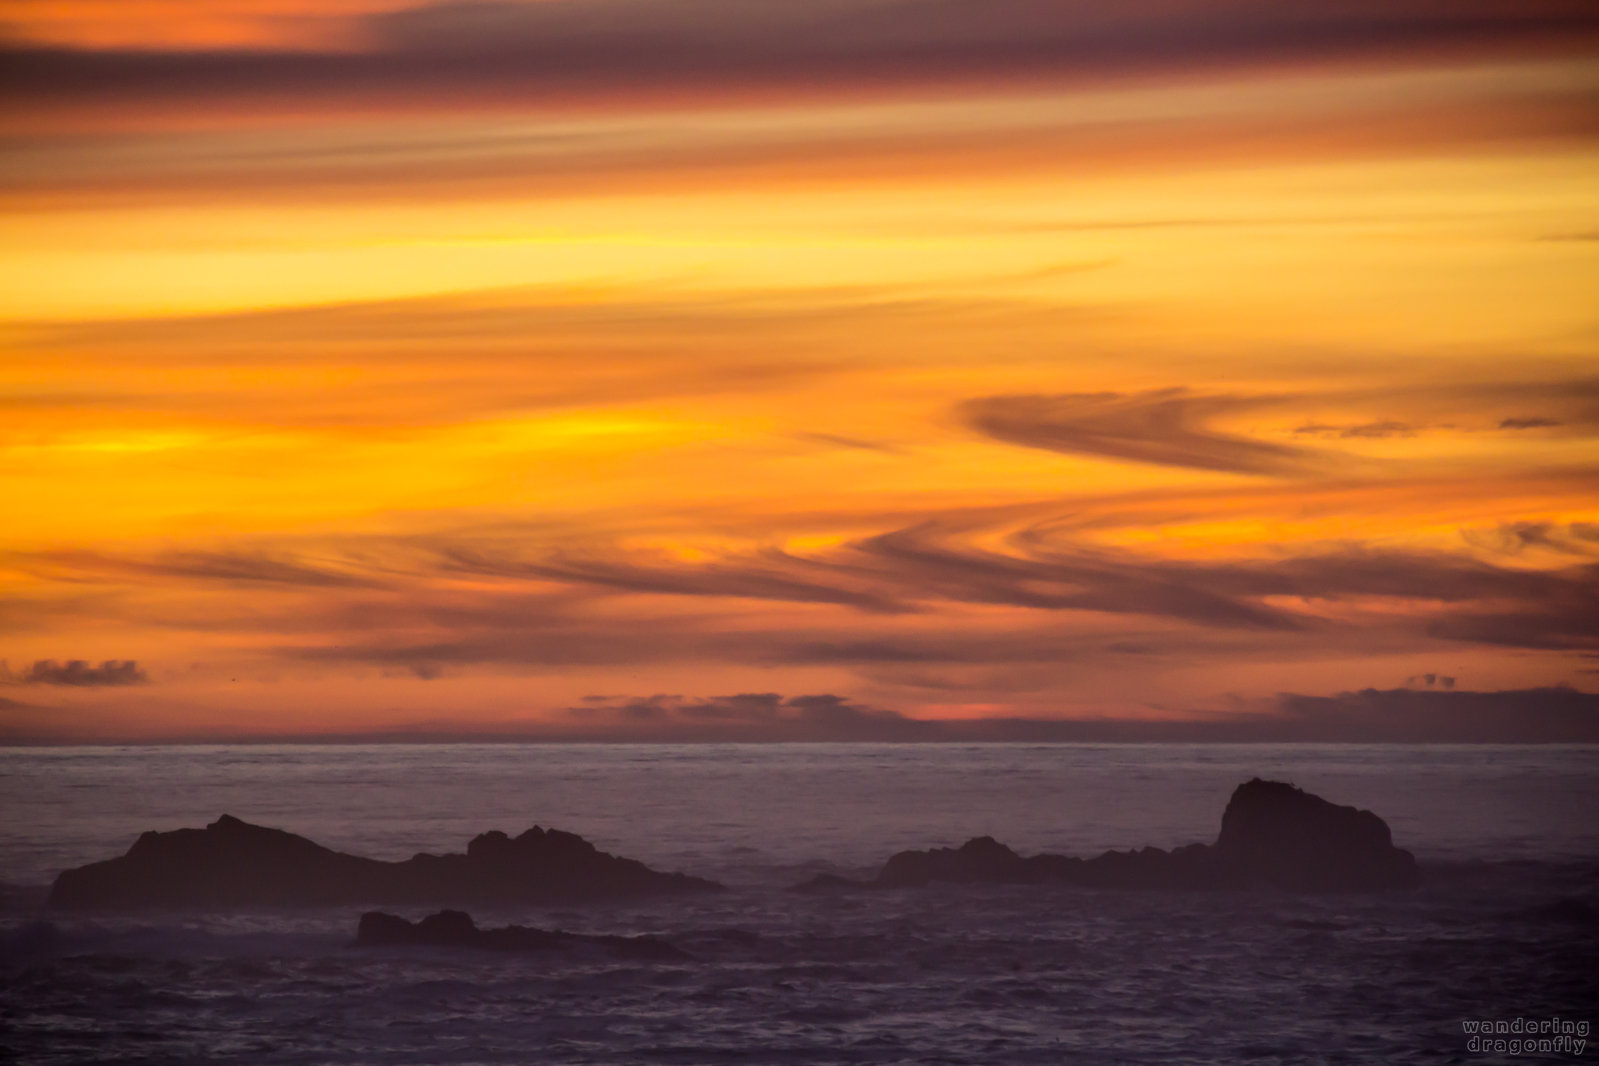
970 974
728 809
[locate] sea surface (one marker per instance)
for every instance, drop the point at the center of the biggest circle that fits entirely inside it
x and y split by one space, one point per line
1503 929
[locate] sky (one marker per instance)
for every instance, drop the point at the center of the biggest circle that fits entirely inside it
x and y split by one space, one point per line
758 369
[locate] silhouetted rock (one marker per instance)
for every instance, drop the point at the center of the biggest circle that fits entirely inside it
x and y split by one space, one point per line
979 859
233 863
455 929
1273 835
1193 866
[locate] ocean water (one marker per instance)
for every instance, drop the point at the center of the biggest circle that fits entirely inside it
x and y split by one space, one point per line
1502 929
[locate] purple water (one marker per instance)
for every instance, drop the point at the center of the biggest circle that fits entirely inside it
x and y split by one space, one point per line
945 974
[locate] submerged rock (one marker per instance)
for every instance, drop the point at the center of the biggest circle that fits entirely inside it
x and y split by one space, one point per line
233 863
1273 835
455 929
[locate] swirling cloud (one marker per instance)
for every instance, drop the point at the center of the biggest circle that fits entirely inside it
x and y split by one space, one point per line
1166 426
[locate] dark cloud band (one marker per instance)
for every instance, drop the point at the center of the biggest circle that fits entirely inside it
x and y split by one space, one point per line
545 53
80 673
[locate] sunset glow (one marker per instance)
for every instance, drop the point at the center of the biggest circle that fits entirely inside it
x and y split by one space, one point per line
489 368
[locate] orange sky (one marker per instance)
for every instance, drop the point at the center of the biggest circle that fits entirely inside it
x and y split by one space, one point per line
467 369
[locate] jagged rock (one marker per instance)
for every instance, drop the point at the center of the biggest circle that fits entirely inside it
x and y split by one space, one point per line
232 863
455 929
1273 835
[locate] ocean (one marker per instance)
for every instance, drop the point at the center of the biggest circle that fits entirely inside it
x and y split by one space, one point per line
1502 929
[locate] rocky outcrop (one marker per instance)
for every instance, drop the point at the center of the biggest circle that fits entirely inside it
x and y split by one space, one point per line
455 929
234 863
1273 835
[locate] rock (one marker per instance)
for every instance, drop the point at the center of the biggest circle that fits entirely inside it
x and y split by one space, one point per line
1273 835
455 929
979 859
1277 835
234 863
1191 867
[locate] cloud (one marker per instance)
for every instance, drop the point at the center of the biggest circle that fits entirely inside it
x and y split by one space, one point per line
584 50
833 440
228 567
891 601
762 716
93 161
1064 577
1556 714
1514 538
1224 613
1165 426
1043 569
517 354
912 569
1369 430
1567 621
772 575
80 673
1171 427
1535 715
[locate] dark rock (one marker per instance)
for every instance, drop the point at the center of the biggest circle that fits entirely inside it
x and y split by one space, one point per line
233 863
1273 835
979 859
377 929
1188 867
455 929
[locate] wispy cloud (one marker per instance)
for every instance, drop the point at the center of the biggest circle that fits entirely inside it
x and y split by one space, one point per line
1370 430
905 587
1175 426
944 360
1166 426
229 567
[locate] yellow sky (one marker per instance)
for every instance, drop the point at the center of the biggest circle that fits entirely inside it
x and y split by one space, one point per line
1152 393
